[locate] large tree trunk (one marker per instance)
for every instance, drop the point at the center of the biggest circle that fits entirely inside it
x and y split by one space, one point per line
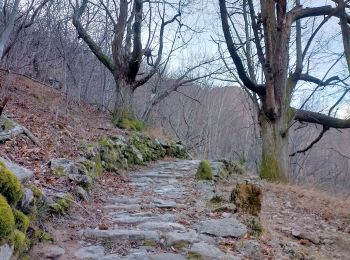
275 158
124 100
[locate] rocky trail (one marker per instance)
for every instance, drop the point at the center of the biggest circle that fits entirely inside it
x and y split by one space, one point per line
162 212
165 217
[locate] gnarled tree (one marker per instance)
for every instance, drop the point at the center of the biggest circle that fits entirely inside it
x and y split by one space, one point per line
138 28
272 24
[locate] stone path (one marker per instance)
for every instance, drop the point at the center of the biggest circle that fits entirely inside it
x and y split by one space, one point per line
165 218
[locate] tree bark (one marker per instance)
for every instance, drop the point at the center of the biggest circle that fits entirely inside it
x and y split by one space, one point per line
124 100
275 157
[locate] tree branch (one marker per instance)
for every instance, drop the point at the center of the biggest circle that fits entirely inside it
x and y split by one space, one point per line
233 52
321 119
78 12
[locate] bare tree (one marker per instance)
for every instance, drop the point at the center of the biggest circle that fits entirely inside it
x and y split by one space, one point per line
272 27
133 63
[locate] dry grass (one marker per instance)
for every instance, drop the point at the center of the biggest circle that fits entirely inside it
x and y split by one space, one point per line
312 201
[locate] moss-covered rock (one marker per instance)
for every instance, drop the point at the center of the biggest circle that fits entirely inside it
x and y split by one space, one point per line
20 242
247 197
6 124
42 236
7 220
204 171
111 154
61 205
22 221
10 186
132 155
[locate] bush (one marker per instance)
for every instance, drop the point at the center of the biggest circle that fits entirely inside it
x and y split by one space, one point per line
247 197
10 186
204 171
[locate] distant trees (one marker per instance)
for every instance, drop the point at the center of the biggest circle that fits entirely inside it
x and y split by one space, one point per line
282 53
14 18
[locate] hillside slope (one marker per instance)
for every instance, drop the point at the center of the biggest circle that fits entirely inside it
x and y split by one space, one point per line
297 223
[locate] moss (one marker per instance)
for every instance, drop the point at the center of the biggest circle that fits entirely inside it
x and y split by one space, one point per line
181 245
247 197
204 171
42 236
269 170
20 242
255 228
22 221
150 243
6 123
129 123
61 206
10 186
131 156
59 171
7 220
36 191
110 155
216 199
193 256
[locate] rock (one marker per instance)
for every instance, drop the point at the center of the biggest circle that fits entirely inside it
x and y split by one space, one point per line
5 252
84 180
219 169
161 226
21 173
46 251
27 201
312 237
121 234
250 249
82 193
159 203
247 197
227 227
167 256
124 207
178 239
228 207
203 250
91 252
62 167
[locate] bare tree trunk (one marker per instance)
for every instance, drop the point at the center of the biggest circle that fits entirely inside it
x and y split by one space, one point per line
124 100
275 158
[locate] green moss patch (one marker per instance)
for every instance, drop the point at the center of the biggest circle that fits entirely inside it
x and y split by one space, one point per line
22 221
10 186
61 206
204 171
20 242
129 123
7 220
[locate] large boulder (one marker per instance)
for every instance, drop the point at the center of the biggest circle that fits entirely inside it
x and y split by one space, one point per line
21 173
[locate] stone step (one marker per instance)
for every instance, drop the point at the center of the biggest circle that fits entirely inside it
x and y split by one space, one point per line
134 219
120 234
161 226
